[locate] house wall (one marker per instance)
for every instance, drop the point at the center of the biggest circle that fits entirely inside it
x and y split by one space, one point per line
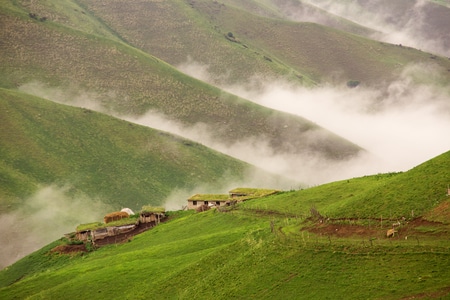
152 217
83 235
200 203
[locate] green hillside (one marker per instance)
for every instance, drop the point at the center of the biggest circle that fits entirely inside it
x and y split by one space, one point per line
325 242
119 162
321 53
262 44
420 191
264 248
299 11
125 80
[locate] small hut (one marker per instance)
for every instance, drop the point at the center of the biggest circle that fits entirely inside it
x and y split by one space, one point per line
198 200
151 214
235 195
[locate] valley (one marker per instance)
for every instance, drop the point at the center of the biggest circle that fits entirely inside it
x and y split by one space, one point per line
338 110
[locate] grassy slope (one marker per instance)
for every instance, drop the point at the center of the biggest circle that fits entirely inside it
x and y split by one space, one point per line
68 13
122 163
322 53
316 52
433 16
235 254
148 25
299 11
421 190
127 80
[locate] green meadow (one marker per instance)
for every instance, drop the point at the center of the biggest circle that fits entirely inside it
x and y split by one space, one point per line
121 163
265 248
127 57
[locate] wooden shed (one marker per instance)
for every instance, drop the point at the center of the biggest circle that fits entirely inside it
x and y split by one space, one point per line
151 214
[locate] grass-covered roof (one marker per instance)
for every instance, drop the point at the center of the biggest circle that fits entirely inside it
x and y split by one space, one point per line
99 225
152 209
253 191
209 197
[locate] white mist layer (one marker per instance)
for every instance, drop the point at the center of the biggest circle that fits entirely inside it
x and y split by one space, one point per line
400 125
43 218
406 29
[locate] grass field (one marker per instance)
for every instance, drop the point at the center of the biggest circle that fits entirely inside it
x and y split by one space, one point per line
76 64
121 163
223 255
263 248
324 242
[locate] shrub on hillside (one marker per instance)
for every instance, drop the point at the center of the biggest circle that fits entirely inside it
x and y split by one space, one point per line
353 83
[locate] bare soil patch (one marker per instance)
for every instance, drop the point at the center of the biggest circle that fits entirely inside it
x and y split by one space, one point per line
439 294
340 229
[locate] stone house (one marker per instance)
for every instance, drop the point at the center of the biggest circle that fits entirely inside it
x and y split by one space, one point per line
233 196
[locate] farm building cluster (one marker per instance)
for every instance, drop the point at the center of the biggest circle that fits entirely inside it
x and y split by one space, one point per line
118 226
120 223
202 201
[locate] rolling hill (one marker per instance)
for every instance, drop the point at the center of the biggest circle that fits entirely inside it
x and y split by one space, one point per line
419 24
269 247
123 58
128 81
68 164
123 164
202 26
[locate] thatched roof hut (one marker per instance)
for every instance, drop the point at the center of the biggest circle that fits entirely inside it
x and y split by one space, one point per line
115 216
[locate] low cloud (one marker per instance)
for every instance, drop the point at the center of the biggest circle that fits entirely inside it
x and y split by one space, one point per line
43 218
400 125
73 96
408 26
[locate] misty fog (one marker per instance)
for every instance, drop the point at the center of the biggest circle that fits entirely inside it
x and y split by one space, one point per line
399 126
411 26
43 218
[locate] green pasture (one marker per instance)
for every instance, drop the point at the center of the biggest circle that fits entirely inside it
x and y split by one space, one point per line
119 162
234 255
263 248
